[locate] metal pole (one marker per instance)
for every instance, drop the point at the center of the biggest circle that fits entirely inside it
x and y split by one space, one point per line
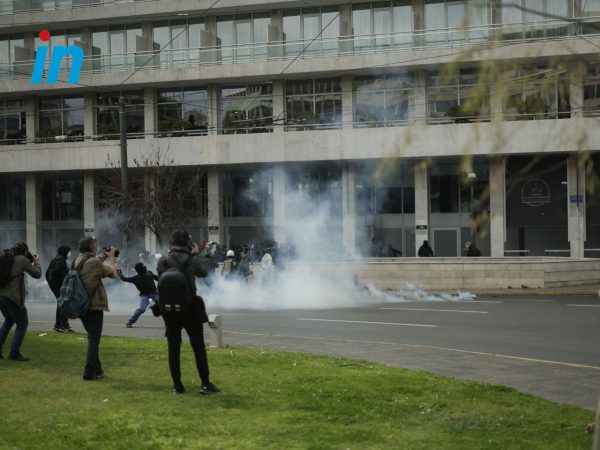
123 139
472 216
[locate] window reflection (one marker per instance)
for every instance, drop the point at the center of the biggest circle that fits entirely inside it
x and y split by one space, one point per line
62 199
248 193
60 116
383 101
183 111
247 108
314 104
12 122
107 117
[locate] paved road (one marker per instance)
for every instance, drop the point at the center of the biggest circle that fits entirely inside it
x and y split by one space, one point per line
548 346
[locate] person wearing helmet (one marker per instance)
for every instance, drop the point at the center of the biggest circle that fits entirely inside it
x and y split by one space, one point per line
144 282
228 269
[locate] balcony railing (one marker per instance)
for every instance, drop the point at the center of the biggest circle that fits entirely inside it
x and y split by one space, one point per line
326 47
27 6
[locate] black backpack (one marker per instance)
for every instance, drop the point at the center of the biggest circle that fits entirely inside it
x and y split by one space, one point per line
175 291
7 257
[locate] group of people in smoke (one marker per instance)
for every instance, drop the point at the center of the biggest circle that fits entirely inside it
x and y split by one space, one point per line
93 267
424 251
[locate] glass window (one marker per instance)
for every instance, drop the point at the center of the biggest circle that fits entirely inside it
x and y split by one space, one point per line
60 116
384 100
315 189
107 117
12 200
62 199
183 111
591 91
12 51
247 108
300 27
12 122
248 193
314 104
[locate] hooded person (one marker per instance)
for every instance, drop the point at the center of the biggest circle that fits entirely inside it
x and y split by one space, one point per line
144 282
55 274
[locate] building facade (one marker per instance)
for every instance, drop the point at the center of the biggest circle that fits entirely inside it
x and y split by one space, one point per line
452 121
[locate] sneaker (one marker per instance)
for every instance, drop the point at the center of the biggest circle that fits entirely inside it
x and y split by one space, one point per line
93 377
58 329
209 389
68 329
18 357
129 325
178 389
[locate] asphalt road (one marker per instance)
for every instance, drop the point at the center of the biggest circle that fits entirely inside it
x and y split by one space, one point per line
544 346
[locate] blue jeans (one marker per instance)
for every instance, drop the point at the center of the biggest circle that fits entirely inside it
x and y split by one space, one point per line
13 313
144 300
92 322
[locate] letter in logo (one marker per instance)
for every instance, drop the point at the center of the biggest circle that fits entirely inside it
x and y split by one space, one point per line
59 52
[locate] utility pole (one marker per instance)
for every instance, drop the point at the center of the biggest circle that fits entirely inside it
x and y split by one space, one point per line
123 139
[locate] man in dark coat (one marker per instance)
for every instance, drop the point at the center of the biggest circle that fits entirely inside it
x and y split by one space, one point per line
144 282
425 250
185 253
55 274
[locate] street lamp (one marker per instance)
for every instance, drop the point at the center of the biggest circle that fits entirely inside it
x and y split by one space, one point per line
472 178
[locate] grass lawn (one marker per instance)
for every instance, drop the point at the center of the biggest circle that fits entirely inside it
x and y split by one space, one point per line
270 399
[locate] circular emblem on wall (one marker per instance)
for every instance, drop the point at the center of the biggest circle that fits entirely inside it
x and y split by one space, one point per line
535 192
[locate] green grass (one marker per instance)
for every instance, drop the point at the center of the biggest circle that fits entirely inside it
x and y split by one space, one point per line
270 399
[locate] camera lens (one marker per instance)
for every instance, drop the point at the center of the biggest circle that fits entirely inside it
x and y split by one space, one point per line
117 252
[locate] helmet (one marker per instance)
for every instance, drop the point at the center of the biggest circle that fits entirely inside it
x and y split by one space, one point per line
230 254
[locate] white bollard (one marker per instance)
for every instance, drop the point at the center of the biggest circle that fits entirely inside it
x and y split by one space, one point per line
215 331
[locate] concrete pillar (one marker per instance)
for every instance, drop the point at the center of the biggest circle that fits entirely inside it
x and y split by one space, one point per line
89 203
496 101
421 203
578 70
209 41
31 116
419 22
497 206
347 102
346 43
576 204
349 208
150 241
419 113
88 49
215 206
150 121
279 182
33 214
275 47
278 106
213 109
89 114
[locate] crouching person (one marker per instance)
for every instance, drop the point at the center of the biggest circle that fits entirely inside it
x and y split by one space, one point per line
181 308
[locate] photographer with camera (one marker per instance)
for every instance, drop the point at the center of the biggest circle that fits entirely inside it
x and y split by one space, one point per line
182 308
15 263
91 271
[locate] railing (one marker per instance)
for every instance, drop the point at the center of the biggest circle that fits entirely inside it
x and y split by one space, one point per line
550 252
518 252
28 6
305 49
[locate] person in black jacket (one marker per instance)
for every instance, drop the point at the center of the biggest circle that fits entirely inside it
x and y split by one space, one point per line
144 282
55 274
425 250
185 253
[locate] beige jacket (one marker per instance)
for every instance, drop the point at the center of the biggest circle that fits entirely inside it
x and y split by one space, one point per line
91 275
15 288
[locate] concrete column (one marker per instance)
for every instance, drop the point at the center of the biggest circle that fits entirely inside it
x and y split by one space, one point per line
89 114
346 43
419 113
578 70
278 106
419 21
215 206
89 203
496 101
145 42
421 203
576 204
213 109
150 121
33 214
279 181
209 41
347 102
349 208
275 47
31 116
88 49
497 206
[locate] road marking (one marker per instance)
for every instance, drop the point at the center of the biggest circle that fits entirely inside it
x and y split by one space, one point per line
395 344
439 310
475 301
364 321
585 306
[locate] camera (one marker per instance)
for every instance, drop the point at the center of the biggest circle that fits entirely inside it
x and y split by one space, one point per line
105 250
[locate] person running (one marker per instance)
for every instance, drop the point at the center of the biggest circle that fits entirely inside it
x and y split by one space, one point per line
144 282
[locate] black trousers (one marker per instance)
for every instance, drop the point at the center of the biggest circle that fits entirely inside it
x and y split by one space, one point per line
192 323
92 322
61 321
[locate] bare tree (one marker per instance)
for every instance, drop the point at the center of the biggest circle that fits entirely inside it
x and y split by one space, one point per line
160 196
